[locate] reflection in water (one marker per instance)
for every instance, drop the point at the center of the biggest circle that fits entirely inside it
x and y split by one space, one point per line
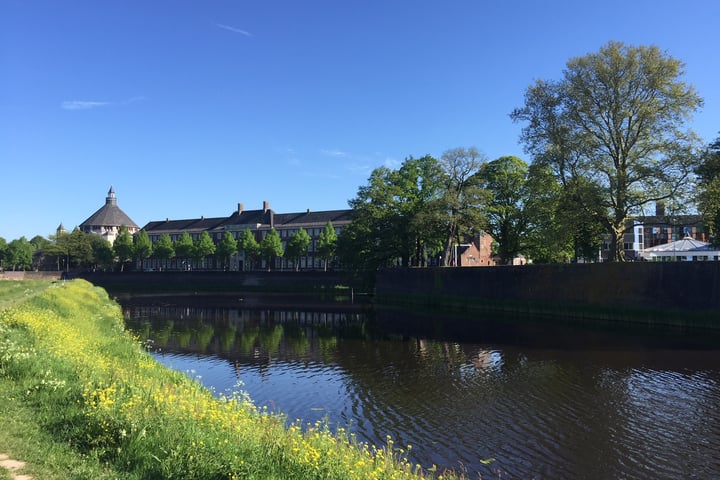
541 403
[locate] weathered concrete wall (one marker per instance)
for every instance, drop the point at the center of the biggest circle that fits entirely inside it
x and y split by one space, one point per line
215 282
683 293
6 275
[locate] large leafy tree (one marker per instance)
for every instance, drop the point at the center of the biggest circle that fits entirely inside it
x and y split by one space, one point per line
271 247
504 179
327 244
102 252
548 239
463 196
19 254
184 246
227 247
396 217
203 247
164 248
616 119
3 252
142 247
250 247
297 246
709 189
40 244
80 248
123 247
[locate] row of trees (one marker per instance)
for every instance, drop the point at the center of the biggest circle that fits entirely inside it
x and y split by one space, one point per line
608 141
78 250
420 211
268 249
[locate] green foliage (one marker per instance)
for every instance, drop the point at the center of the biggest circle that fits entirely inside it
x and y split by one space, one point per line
549 238
80 248
164 248
395 217
616 121
708 197
327 243
81 399
123 246
228 247
142 246
297 246
102 252
3 252
250 247
271 247
203 246
19 254
184 246
39 242
507 222
463 199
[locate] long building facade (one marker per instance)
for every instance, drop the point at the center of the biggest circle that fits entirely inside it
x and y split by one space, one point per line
259 222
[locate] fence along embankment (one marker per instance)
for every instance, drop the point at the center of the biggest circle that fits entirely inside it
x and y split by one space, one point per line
681 294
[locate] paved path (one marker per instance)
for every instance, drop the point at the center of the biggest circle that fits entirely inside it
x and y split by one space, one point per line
13 466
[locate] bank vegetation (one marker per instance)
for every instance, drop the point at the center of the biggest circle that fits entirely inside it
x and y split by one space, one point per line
80 398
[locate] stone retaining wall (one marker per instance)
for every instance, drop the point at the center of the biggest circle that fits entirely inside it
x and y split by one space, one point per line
682 293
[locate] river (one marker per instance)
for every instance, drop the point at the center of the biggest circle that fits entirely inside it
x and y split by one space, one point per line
503 398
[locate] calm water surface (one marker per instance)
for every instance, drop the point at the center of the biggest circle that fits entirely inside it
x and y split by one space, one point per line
507 397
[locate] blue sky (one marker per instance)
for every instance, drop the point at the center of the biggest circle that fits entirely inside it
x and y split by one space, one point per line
189 108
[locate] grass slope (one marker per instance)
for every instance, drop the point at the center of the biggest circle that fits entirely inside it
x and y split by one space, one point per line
80 398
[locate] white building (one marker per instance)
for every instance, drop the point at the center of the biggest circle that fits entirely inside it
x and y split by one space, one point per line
686 250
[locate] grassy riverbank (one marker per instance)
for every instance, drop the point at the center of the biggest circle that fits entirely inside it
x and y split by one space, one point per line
80 398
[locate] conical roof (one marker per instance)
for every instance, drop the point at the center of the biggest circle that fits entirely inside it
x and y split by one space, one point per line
109 215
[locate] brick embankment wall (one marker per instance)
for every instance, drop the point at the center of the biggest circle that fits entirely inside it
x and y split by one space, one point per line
683 293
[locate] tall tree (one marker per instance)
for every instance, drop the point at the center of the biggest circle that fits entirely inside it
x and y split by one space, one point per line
142 247
395 217
548 237
227 247
250 248
102 252
80 248
271 247
297 247
184 246
504 179
708 198
40 244
19 254
203 247
3 253
164 248
123 247
463 197
616 119
327 244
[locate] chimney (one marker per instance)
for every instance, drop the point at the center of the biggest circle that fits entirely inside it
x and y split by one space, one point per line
266 206
240 208
660 209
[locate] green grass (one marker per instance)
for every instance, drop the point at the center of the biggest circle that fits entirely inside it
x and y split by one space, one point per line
80 398
12 291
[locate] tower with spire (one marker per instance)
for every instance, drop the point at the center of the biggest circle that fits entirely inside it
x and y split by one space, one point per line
107 221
